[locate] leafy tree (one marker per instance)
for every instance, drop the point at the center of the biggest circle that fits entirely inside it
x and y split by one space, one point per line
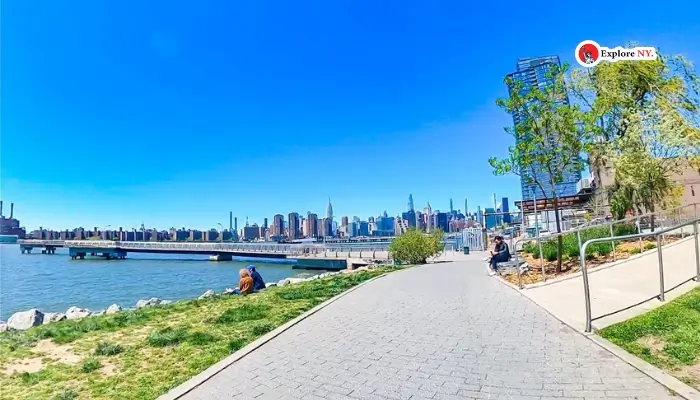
415 247
548 137
645 118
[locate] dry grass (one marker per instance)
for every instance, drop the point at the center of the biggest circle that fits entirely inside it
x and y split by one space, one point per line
144 353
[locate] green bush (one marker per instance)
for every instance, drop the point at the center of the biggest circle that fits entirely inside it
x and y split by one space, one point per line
415 247
649 246
108 349
635 251
91 364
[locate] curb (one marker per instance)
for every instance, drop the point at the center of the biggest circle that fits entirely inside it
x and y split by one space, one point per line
664 379
601 267
199 379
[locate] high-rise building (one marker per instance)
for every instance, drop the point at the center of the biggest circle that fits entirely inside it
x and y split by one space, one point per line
428 212
532 73
506 208
293 226
410 203
278 225
329 212
451 207
344 221
311 225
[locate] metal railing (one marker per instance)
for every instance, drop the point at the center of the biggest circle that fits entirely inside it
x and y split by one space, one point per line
662 291
678 211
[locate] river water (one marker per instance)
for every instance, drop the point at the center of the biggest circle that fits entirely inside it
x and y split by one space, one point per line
54 282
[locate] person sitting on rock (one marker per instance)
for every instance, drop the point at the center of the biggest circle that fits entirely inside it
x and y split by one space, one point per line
258 282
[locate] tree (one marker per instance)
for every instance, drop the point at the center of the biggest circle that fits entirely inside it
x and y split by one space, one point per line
415 247
645 119
548 138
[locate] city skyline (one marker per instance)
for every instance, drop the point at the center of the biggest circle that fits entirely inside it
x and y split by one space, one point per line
182 115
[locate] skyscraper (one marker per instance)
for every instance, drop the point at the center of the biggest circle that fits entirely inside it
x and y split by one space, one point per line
410 203
294 227
329 213
278 225
532 73
451 207
312 225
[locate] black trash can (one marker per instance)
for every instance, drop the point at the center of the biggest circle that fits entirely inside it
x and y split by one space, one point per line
466 249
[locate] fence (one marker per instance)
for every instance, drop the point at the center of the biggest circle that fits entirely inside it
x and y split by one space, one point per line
472 238
675 217
662 290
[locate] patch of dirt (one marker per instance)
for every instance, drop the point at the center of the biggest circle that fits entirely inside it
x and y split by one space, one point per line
44 350
108 369
691 375
655 344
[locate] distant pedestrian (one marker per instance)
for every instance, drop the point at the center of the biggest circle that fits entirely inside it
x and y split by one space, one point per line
258 281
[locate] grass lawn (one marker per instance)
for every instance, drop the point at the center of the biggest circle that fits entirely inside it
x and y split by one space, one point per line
667 337
144 353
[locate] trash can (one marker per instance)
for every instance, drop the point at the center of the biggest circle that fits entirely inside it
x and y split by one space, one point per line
466 249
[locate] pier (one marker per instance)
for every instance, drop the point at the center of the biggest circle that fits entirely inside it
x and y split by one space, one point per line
218 251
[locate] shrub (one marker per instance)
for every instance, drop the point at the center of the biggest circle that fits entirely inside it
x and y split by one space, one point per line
414 247
108 349
67 395
635 251
166 337
550 254
91 364
649 246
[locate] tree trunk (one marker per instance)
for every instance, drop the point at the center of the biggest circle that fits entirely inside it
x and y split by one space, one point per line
652 219
560 239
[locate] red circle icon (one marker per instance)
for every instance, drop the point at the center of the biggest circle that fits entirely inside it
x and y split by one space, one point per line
587 53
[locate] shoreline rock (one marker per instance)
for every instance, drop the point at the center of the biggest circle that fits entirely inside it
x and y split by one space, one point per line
23 320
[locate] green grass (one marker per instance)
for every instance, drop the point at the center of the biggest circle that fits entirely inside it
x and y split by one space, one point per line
151 350
667 337
570 242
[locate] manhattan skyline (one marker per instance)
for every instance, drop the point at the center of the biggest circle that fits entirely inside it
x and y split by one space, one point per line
177 113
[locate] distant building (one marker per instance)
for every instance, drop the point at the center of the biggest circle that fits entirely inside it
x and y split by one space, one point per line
491 220
294 228
363 229
505 208
311 225
344 221
441 221
278 225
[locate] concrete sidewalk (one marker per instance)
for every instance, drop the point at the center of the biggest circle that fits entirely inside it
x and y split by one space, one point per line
620 286
441 331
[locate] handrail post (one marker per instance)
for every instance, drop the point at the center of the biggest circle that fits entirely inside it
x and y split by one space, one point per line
586 289
662 290
612 243
697 251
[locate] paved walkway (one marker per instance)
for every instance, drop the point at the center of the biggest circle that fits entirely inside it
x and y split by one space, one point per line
442 331
620 286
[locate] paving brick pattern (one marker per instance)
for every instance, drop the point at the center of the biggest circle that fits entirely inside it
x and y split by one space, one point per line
443 331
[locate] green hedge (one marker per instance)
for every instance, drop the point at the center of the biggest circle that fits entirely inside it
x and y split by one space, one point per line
571 248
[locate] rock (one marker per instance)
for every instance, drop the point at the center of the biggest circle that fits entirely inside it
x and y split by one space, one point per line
165 302
284 282
295 280
154 301
207 294
77 313
50 318
113 309
98 314
270 284
25 319
3 327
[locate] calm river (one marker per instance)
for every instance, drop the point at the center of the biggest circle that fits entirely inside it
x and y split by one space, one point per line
54 282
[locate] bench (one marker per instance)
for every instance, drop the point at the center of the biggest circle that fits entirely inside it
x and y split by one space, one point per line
507 267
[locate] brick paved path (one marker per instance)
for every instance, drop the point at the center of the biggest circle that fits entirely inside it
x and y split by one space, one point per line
443 331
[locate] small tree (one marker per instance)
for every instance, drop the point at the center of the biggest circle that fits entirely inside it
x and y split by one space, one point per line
548 138
415 247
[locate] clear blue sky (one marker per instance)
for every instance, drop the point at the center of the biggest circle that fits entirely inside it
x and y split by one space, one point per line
175 113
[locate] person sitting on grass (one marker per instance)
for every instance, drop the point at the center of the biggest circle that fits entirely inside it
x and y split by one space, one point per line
245 286
499 254
258 282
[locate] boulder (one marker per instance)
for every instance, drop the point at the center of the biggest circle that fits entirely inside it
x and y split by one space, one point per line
113 309
25 319
270 284
154 301
165 302
284 282
98 314
3 327
295 280
77 313
207 294
50 318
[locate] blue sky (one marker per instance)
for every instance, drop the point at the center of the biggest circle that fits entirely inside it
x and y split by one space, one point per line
175 113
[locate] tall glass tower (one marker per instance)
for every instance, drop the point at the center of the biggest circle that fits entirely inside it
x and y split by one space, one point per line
532 72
